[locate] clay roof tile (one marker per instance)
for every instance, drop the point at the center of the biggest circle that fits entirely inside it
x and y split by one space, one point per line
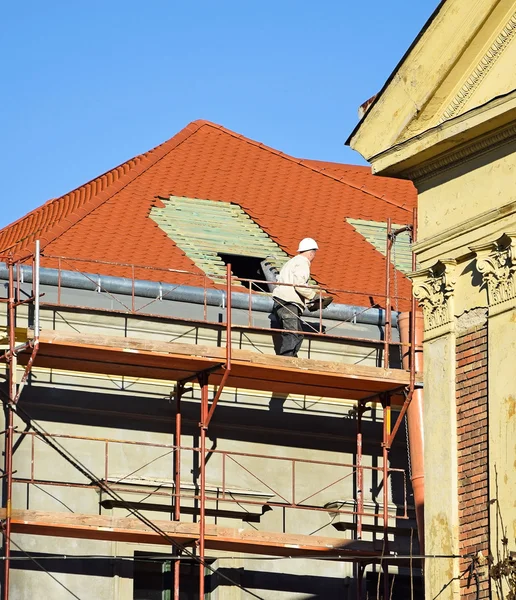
108 218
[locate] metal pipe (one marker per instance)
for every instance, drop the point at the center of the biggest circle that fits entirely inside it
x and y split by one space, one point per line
227 369
387 330
360 472
35 341
10 426
228 318
8 512
177 481
36 291
385 468
185 293
412 331
203 380
177 455
25 376
415 420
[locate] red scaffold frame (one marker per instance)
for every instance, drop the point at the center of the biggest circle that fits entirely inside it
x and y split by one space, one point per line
29 351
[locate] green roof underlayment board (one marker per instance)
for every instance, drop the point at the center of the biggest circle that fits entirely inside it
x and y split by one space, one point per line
375 232
204 229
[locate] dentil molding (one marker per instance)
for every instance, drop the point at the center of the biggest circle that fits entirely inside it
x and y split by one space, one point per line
480 71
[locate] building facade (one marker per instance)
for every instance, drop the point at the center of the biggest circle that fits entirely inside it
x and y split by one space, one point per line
155 445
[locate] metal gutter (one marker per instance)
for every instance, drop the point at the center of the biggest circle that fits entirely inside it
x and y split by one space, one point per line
184 293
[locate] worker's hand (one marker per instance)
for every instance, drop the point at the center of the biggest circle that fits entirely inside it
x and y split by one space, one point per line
319 303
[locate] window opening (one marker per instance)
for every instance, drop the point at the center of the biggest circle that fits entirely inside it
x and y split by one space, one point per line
153 578
246 267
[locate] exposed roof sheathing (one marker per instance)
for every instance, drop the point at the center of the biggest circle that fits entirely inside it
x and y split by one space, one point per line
109 219
204 229
376 234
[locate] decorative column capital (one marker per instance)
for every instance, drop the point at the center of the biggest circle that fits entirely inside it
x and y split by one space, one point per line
434 289
496 262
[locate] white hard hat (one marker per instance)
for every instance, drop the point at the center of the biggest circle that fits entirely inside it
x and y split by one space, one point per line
307 244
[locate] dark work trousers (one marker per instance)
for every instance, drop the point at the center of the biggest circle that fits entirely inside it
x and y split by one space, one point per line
288 315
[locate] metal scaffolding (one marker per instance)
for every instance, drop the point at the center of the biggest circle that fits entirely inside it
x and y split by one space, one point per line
382 385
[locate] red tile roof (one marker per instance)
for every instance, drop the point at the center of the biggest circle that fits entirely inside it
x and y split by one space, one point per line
107 219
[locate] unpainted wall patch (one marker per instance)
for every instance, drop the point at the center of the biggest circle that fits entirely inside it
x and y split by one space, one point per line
471 319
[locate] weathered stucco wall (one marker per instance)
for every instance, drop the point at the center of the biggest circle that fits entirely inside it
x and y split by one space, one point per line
502 428
440 422
467 190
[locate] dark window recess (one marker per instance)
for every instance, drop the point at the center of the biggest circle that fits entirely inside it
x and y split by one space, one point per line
399 584
246 267
153 578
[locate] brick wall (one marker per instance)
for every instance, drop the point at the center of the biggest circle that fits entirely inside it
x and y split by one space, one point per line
473 467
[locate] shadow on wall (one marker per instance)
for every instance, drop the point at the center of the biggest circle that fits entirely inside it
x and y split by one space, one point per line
240 422
335 433
311 586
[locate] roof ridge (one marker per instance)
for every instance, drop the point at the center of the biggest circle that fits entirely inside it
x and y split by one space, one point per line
301 162
337 164
51 201
146 161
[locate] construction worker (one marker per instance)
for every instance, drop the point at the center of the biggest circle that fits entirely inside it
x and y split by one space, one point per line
290 300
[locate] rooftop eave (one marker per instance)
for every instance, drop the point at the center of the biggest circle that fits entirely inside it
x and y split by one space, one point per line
417 78
427 151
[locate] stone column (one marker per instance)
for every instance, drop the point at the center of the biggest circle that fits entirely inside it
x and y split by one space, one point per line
496 261
434 289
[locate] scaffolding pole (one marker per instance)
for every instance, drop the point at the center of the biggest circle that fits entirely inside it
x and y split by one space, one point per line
177 482
203 382
11 364
385 467
388 316
358 567
360 471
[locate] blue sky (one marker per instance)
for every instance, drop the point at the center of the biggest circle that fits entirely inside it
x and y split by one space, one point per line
87 85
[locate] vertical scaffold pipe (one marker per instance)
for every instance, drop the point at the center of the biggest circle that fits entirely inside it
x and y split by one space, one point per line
360 472
9 430
385 468
228 318
388 312
35 279
202 464
177 482
415 420
360 497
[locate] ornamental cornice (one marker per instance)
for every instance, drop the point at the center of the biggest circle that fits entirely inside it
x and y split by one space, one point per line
464 153
434 289
453 237
496 262
480 71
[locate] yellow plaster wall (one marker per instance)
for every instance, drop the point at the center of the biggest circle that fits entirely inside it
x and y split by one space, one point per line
483 70
481 184
441 510
400 111
455 199
470 293
502 424
501 78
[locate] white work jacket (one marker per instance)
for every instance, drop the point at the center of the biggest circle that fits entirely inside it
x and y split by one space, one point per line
295 271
